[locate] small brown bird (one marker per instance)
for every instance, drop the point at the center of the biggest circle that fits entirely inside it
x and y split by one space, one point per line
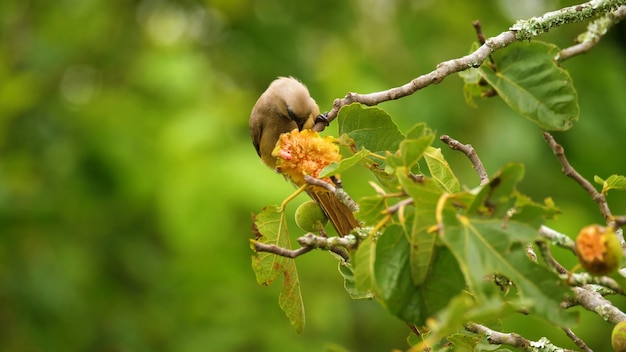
287 105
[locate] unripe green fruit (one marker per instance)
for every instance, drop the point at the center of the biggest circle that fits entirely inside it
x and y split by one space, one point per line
310 217
618 337
598 250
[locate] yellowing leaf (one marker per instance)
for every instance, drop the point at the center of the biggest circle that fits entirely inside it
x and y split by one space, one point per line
440 170
272 226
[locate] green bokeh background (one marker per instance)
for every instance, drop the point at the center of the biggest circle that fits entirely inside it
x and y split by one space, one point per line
127 177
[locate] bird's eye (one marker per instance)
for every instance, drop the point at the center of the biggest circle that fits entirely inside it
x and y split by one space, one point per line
292 115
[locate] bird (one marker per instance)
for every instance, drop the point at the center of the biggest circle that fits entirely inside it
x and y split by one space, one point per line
285 106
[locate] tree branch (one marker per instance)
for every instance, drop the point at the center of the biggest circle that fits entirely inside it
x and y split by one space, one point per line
557 238
533 27
594 302
570 172
283 252
546 254
512 339
470 152
337 191
595 31
580 343
310 242
521 30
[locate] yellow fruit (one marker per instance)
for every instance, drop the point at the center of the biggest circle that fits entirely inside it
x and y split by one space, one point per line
310 217
598 249
618 337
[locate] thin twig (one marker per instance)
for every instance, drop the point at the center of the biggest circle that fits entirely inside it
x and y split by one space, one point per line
401 204
546 254
481 39
570 172
580 343
595 32
470 152
521 30
283 252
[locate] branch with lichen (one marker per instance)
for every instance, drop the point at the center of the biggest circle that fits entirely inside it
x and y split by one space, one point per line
591 300
520 31
310 241
513 339
516 340
595 32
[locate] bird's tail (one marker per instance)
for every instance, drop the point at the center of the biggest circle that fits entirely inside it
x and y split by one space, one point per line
338 213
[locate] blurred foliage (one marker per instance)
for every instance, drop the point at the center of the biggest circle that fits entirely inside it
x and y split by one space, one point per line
127 176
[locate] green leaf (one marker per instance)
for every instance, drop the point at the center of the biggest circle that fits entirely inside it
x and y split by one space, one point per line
419 130
371 209
530 82
617 182
495 199
531 213
410 151
385 179
363 262
272 227
486 247
350 284
393 277
392 273
440 170
339 167
425 196
370 128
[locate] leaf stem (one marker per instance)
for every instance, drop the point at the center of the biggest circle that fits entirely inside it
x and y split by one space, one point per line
291 197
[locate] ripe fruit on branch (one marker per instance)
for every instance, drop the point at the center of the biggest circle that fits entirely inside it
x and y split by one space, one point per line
598 249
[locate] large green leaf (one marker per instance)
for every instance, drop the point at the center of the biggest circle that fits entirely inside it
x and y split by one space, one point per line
393 276
370 128
395 289
272 227
489 240
484 247
425 196
533 84
490 236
